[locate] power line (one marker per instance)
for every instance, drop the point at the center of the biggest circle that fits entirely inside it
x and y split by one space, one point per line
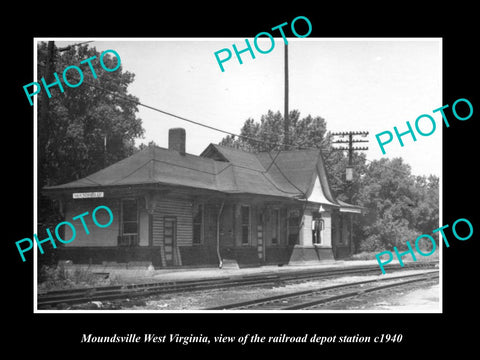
204 125
350 142
279 145
273 160
274 144
230 133
73 45
286 178
237 135
350 148
181 117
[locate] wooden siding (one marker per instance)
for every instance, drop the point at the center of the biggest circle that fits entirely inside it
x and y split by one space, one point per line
98 236
182 211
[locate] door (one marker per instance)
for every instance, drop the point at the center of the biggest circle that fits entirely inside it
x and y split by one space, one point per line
318 225
169 239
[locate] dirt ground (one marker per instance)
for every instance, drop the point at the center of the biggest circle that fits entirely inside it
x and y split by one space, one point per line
415 298
419 300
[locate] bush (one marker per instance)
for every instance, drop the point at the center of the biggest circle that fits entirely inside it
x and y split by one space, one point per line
52 275
386 233
58 277
365 255
372 244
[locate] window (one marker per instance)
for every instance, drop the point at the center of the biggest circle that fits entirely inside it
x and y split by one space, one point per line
198 225
129 224
245 218
275 226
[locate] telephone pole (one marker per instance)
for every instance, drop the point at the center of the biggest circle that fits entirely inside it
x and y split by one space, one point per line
48 75
350 141
44 122
286 136
349 171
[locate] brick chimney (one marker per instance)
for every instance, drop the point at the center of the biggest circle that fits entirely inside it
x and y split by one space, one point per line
176 140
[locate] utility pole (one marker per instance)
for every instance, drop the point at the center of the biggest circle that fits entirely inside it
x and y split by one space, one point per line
350 141
349 171
286 137
48 75
44 109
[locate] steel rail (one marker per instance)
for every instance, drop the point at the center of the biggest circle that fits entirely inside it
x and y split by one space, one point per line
76 296
313 303
299 295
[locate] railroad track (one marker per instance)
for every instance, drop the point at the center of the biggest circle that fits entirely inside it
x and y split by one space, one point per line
106 293
315 298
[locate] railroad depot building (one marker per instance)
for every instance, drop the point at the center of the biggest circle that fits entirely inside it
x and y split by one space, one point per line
171 209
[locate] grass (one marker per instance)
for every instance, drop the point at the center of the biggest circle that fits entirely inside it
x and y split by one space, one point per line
365 255
370 255
59 277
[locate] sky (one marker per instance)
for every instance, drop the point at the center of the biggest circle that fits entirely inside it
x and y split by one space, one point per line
359 84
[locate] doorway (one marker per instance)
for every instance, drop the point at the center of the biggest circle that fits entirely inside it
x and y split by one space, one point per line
318 224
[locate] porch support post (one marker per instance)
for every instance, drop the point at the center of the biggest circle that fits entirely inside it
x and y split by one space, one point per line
220 261
305 233
306 252
327 231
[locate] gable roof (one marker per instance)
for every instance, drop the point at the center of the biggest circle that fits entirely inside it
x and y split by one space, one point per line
291 171
288 173
291 174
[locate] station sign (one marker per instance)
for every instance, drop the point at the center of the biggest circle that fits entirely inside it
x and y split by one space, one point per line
88 195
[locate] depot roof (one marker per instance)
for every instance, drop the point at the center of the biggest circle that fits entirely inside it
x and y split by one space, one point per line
288 174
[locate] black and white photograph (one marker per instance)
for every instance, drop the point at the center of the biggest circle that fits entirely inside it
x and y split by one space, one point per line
195 182
255 188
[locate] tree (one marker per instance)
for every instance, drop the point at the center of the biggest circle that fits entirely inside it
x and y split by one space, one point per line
308 132
400 206
425 212
85 128
304 133
145 146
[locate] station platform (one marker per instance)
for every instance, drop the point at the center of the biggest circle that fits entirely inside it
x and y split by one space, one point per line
137 274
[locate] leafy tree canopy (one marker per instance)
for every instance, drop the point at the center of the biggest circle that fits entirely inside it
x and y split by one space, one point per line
308 132
399 206
85 128
304 133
